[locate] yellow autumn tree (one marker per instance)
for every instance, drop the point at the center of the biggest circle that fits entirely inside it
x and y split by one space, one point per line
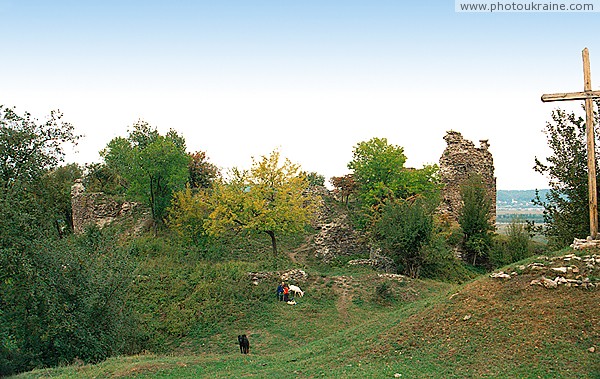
189 209
270 198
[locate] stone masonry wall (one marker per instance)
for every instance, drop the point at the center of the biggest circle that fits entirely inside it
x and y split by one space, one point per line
95 208
461 159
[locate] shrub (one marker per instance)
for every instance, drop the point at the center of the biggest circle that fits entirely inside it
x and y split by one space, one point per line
403 231
68 300
474 218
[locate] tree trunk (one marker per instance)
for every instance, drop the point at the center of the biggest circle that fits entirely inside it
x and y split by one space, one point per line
273 241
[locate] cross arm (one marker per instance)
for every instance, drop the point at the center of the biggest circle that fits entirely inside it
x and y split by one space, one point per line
570 96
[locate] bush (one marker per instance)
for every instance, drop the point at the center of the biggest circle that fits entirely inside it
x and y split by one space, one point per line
441 263
67 300
513 247
474 218
383 293
403 231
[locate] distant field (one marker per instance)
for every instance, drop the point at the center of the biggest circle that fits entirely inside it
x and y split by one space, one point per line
506 215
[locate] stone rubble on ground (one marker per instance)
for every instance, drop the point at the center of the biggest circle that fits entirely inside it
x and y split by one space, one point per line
295 275
397 277
567 270
581 244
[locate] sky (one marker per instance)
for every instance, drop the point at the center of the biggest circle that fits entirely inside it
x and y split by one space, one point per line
311 78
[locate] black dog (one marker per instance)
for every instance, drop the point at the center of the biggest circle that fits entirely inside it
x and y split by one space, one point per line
244 344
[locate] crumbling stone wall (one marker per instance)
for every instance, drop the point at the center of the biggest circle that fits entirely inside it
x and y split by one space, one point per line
460 160
95 208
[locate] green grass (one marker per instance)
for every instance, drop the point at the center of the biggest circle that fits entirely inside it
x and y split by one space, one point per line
342 328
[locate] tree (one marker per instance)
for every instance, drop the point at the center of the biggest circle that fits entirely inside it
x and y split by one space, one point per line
101 178
474 217
314 179
566 211
189 212
153 166
378 169
56 194
344 186
29 148
270 198
56 302
403 231
376 164
202 172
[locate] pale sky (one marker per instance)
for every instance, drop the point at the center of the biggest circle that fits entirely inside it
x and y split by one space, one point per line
312 78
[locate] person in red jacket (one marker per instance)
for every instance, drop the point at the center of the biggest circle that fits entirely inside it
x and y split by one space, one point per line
286 293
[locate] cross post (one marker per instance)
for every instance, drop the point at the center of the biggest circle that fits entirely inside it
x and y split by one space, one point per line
588 95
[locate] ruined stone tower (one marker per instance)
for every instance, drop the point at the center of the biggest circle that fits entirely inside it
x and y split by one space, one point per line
461 159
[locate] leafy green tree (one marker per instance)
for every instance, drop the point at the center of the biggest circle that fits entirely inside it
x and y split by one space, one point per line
314 179
29 148
378 169
566 211
56 191
48 315
270 198
152 166
67 301
475 218
101 178
403 231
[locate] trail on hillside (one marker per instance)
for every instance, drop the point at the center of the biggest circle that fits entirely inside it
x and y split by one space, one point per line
299 255
342 287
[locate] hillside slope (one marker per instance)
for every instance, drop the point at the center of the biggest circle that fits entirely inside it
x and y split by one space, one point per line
492 327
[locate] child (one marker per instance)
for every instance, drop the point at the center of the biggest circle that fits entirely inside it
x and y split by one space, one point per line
286 292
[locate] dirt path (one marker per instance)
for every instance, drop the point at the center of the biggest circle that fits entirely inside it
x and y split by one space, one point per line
300 254
343 289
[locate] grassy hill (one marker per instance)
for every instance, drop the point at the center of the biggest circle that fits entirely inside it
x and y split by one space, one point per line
356 323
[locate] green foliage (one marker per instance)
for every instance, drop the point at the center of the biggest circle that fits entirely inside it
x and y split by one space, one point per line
29 148
379 172
66 299
314 179
474 218
378 168
56 192
270 198
383 294
566 211
513 247
403 231
101 178
152 166
188 213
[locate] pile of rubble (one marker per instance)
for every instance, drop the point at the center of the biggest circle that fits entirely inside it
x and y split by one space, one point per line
398 277
568 270
581 244
294 275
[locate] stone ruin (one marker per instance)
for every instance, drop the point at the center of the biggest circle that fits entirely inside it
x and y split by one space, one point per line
96 208
460 160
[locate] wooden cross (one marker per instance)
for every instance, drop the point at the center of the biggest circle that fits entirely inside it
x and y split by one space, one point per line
588 95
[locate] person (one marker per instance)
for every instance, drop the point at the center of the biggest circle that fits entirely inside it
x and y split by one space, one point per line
280 291
286 293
